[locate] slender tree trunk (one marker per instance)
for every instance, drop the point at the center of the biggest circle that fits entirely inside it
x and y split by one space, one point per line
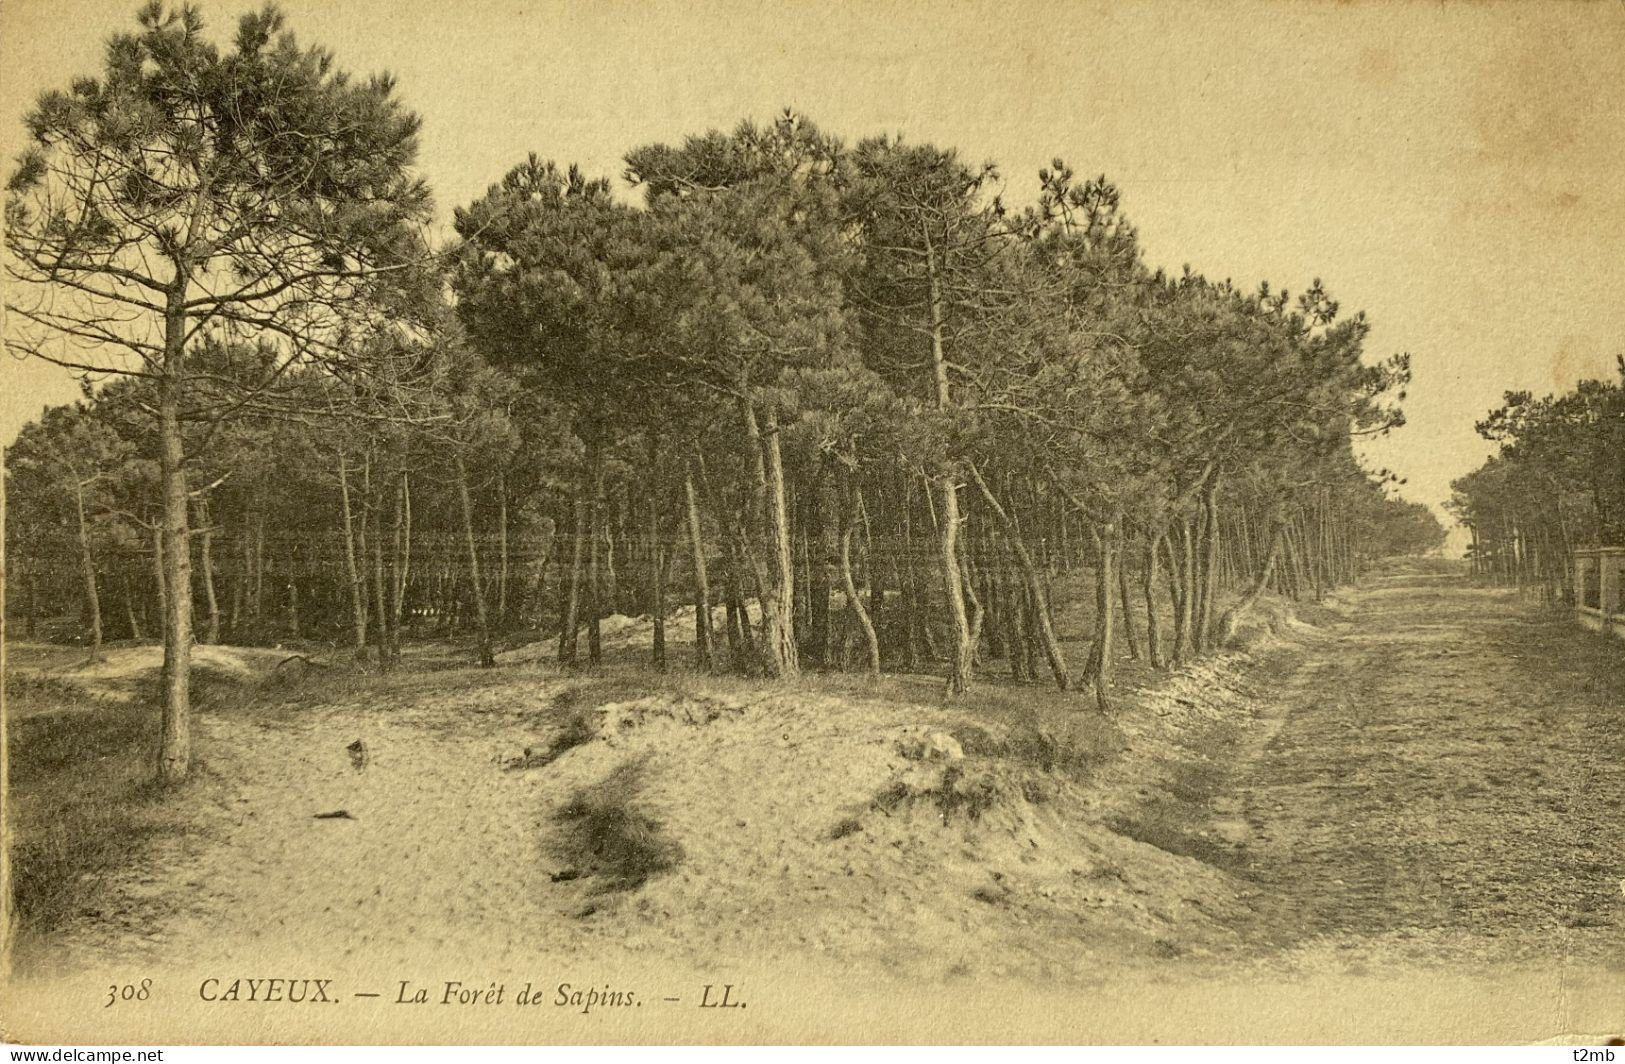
1210 567
352 567
1098 672
770 553
994 599
657 582
1035 584
595 532
1019 606
239 586
962 662
175 731
502 550
1294 571
741 646
211 634
382 610
962 653
909 583
1176 595
612 534
779 524
402 562
1188 583
1130 636
475 587
871 565
570 616
1196 558
1153 617
1232 617
702 580
848 515
818 589
129 612
87 569
967 580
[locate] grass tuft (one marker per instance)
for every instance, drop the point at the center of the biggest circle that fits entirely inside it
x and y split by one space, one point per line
83 800
622 846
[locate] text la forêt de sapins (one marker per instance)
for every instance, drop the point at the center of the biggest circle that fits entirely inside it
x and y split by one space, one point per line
580 996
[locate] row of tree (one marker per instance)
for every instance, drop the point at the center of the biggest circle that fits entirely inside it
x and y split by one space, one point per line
1557 484
843 399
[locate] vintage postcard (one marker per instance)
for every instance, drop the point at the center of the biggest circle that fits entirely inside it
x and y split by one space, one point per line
765 522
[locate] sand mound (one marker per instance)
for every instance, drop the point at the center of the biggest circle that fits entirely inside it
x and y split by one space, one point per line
619 631
618 719
125 673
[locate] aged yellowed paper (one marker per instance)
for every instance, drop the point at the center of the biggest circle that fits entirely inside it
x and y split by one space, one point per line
740 522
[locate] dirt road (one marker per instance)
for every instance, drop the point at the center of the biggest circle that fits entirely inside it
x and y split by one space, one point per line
1438 779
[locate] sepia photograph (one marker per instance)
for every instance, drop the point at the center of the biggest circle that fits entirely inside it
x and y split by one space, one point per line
924 522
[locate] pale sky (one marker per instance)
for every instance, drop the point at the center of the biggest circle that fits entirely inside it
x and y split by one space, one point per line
1456 170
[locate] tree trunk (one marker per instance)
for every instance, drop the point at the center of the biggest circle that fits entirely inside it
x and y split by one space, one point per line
818 575
848 517
702 580
1130 636
657 583
1035 585
962 663
871 565
402 562
570 615
1293 570
1210 566
770 547
1153 618
1232 617
380 598
741 647
502 550
1018 606
175 731
1176 595
87 569
206 559
1188 584
475 587
908 583
595 532
1100 658
352 567
129 611
239 586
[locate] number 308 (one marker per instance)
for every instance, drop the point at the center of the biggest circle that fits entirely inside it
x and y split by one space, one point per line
129 992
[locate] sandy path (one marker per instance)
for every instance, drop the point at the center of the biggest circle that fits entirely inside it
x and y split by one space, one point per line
1441 781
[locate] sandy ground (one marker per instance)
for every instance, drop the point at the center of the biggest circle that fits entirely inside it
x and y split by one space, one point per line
1427 776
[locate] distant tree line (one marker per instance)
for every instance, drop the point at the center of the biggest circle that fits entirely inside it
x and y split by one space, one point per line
843 401
1557 484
